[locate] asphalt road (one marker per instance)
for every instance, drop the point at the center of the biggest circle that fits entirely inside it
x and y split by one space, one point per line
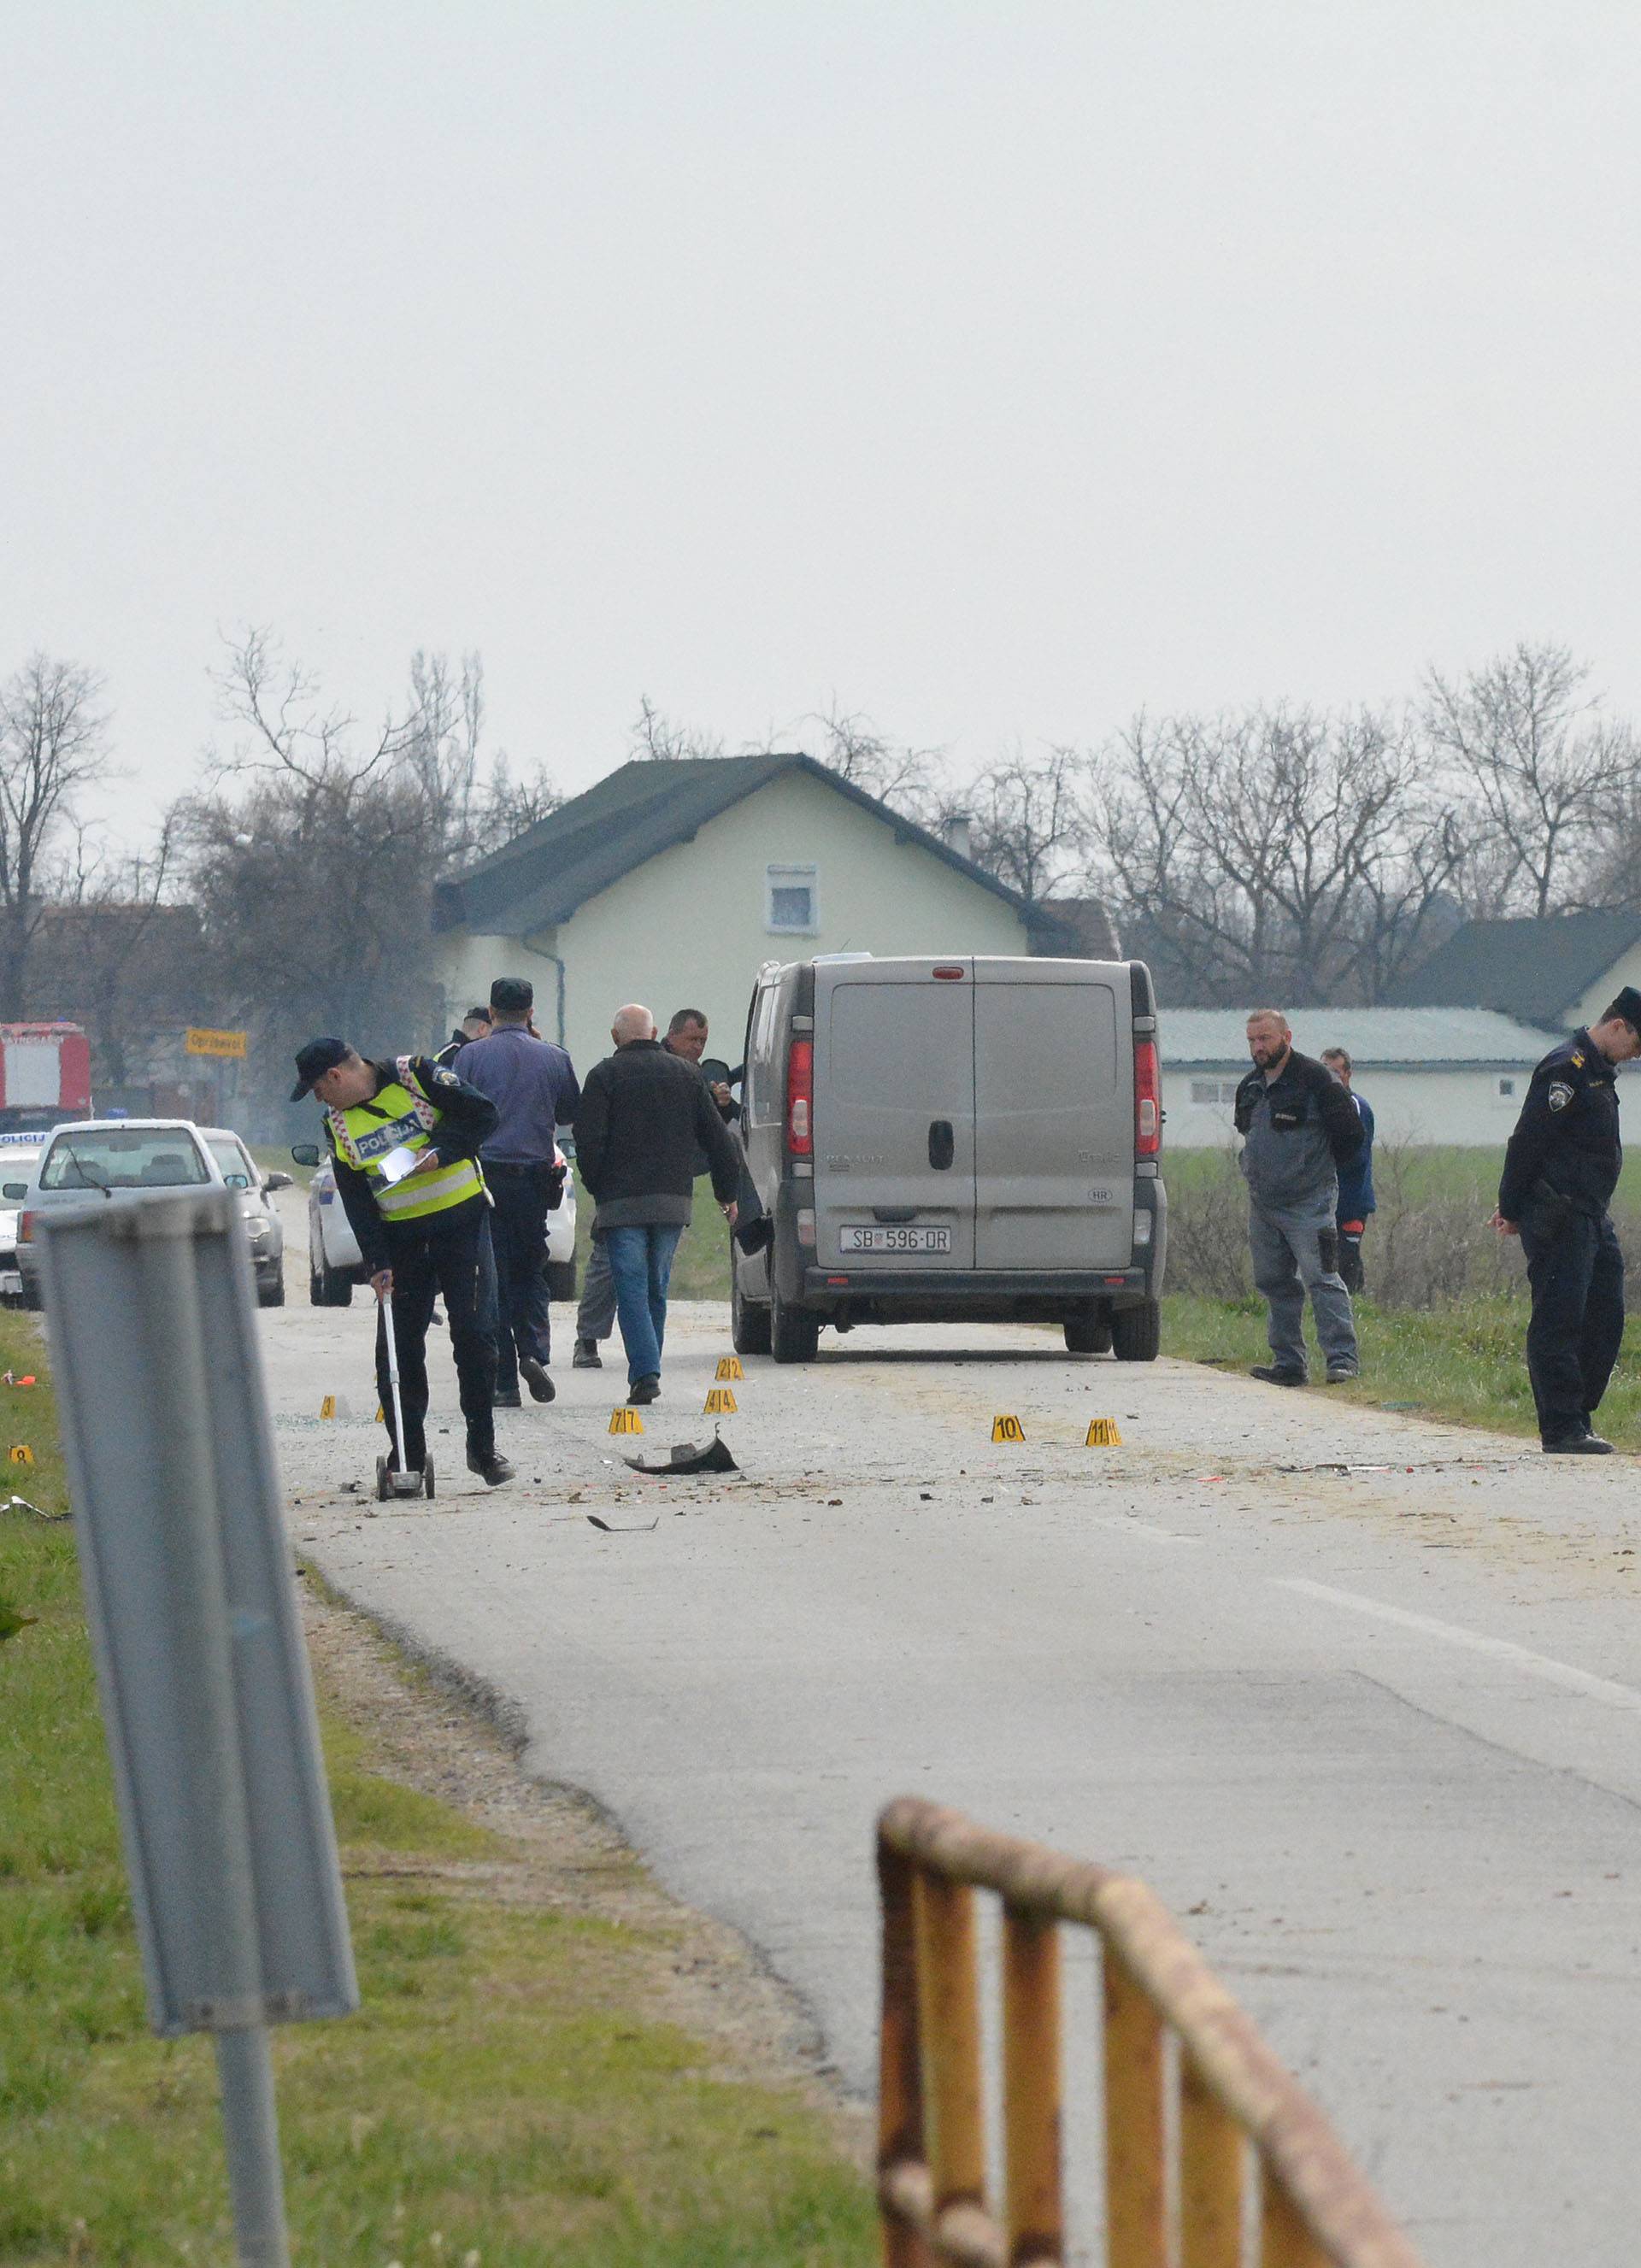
1370 1732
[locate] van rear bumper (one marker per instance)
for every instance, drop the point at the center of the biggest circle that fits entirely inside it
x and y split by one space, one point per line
977 1295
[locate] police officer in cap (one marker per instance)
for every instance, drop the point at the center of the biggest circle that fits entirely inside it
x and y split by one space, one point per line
1561 1169
405 1137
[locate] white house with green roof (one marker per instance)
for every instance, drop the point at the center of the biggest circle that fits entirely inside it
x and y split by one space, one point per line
673 882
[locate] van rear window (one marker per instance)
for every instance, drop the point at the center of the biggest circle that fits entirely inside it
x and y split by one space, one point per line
120 1158
903 1047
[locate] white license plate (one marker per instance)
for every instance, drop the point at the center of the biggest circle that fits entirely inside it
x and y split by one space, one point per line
857 1237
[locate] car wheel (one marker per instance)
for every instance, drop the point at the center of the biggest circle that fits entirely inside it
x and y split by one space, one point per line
1137 1332
32 1299
272 1294
794 1336
749 1318
326 1287
1089 1334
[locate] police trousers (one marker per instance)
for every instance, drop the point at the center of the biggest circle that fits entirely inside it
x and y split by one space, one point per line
1295 1250
1575 1272
450 1254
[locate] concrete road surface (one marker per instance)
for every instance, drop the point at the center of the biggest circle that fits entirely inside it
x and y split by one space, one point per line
1352 1692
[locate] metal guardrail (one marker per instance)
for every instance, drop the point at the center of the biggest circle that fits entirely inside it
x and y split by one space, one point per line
1187 2132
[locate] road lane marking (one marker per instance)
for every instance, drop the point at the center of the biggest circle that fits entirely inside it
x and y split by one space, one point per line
1500 1649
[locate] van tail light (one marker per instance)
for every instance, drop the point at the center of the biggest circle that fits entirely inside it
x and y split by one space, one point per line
26 1227
1147 1100
800 1089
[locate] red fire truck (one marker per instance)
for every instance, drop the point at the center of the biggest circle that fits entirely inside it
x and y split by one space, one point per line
44 1075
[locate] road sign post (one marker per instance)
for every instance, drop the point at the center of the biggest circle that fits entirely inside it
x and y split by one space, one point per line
201 1667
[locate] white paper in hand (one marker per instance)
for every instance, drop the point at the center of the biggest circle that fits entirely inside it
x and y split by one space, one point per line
398 1163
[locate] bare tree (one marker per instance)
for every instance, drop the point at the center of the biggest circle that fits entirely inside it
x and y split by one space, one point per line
655 739
53 746
1546 765
1028 819
908 779
1284 854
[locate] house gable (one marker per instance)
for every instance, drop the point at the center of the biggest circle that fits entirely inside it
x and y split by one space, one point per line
1543 972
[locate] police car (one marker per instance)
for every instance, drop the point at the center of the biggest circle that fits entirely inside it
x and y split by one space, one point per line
19 1159
335 1265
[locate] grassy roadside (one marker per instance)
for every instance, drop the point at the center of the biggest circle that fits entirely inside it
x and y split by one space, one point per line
1464 1363
508 2096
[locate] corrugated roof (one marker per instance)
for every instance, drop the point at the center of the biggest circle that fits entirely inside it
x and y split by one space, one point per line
1384 1037
641 809
1535 969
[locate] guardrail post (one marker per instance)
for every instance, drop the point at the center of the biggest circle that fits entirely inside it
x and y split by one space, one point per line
1031 2088
949 1999
900 2081
1212 2150
1284 2241
1135 2194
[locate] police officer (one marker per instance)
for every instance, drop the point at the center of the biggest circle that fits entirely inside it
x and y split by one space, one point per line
405 1137
1561 1169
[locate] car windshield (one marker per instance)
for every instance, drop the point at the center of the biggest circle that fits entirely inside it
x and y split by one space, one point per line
232 1160
124 1157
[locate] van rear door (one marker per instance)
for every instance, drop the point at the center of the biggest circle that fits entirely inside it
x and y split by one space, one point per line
1054 1097
894 1115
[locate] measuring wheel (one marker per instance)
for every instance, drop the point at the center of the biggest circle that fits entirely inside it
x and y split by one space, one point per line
384 1481
427 1477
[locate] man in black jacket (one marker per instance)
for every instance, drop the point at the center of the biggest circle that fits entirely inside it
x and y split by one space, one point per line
1561 1169
1299 1126
643 1111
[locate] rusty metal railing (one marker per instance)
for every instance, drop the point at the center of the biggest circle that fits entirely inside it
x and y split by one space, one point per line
1188 2134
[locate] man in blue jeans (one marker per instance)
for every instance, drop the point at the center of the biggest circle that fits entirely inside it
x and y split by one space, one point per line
645 1114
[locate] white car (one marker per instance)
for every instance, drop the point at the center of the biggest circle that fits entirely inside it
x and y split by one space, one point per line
125 1158
335 1265
262 1224
20 1157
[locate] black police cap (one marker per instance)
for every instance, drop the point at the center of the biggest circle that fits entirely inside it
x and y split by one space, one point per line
314 1060
1628 1005
514 996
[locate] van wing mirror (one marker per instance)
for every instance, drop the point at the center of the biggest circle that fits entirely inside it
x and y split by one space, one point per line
277 1181
13 1192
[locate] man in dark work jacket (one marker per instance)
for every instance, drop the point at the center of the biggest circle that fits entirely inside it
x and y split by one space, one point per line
643 1113
1561 1169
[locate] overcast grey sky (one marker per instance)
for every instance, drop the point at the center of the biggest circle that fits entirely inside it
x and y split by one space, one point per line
994 369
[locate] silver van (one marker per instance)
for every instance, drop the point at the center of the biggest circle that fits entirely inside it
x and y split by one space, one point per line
962 1139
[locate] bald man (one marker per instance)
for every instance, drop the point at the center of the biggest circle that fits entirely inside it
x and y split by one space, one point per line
644 1115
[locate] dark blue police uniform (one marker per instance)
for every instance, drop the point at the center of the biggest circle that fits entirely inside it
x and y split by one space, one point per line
1561 1169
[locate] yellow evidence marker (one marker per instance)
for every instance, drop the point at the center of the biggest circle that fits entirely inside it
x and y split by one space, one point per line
381 1415
328 1407
21 1453
1007 1429
719 1402
1103 1434
625 1421
729 1367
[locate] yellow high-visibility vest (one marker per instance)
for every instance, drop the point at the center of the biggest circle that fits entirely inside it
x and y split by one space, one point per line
401 1116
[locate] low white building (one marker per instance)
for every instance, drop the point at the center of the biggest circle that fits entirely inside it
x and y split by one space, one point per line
1432 1075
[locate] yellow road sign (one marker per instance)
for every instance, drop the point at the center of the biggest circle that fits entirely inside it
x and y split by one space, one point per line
626 1421
719 1402
198 1040
1103 1434
1007 1428
729 1367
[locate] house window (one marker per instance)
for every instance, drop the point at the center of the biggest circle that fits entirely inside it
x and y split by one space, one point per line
1507 1090
792 899
1214 1093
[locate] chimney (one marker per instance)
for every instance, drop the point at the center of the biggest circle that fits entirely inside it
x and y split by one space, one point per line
955 830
